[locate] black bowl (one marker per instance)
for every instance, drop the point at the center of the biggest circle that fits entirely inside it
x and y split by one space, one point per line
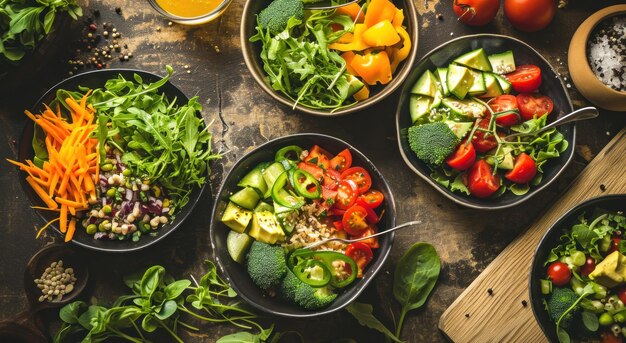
96 79
237 274
616 202
551 85
252 53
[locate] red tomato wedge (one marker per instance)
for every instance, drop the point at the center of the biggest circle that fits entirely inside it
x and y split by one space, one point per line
360 176
361 253
371 242
523 170
372 198
354 221
372 217
505 103
531 105
342 161
463 157
525 79
482 182
483 141
318 157
312 169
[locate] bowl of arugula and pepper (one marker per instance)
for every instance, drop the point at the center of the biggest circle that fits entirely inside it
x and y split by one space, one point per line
329 62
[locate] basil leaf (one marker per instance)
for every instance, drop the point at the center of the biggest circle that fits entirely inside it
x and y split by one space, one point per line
71 312
240 337
590 321
151 280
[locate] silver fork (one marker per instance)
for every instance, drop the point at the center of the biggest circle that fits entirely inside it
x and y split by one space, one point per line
325 5
580 114
345 240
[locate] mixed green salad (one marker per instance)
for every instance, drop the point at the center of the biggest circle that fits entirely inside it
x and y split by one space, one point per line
461 116
300 198
585 280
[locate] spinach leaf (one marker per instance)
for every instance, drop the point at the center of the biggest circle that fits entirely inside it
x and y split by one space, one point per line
590 321
415 277
363 314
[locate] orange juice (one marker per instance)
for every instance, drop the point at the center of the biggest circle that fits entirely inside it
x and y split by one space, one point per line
188 8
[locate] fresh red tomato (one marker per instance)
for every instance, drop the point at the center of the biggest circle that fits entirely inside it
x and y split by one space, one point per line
531 105
371 242
525 79
476 12
372 198
529 15
504 103
559 273
346 194
482 182
318 157
463 158
614 244
360 176
361 253
338 225
609 337
331 179
523 170
589 266
312 169
329 196
483 141
621 294
372 217
355 220
342 161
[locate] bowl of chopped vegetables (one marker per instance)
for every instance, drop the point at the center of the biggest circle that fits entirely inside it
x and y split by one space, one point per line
460 105
116 159
284 196
577 284
329 62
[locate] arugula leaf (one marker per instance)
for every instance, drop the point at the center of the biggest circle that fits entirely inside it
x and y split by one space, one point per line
363 314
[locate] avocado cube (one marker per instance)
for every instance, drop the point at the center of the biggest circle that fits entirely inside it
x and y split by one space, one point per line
265 228
236 218
611 272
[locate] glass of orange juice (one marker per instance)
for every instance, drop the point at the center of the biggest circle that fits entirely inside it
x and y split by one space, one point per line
190 12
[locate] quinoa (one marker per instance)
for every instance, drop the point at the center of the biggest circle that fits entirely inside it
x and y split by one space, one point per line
309 228
606 52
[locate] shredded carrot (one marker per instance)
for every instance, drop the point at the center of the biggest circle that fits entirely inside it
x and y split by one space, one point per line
66 179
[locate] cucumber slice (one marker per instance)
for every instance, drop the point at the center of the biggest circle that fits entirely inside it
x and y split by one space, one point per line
504 84
476 59
464 109
504 157
436 100
442 73
270 174
458 80
425 85
493 86
263 206
419 106
246 198
478 83
502 63
460 129
255 180
238 245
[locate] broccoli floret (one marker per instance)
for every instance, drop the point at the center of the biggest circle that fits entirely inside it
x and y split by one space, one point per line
266 264
313 298
275 16
289 286
560 300
432 142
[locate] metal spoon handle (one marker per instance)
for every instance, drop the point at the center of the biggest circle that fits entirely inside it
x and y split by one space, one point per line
398 227
580 114
323 5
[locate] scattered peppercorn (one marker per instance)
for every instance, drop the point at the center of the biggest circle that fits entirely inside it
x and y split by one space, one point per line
440 16
118 10
524 303
602 187
490 291
55 282
467 315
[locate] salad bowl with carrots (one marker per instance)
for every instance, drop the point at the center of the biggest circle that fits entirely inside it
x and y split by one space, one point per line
99 166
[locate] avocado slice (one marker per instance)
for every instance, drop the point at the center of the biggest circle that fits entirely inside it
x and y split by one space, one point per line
460 128
459 80
265 228
502 63
426 85
419 106
238 245
236 218
610 272
504 156
492 85
475 59
464 109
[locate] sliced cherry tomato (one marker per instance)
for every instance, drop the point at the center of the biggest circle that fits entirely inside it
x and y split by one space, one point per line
523 170
346 194
329 196
331 179
312 169
531 105
338 225
525 79
373 198
463 158
372 217
336 212
361 253
482 182
609 337
318 157
484 141
503 103
614 244
355 220
342 161
360 176
589 266
371 242
621 293
559 273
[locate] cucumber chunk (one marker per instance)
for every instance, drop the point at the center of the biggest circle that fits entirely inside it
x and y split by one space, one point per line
492 85
504 157
255 180
460 129
442 73
270 174
478 83
459 80
246 198
464 109
238 245
502 63
504 84
425 85
475 59
419 106
263 206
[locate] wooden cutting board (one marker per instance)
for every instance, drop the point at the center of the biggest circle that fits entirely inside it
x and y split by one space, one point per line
477 317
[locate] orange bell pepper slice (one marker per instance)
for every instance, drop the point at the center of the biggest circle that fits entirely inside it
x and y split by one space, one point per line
362 94
373 67
400 54
381 34
353 10
379 10
398 18
348 56
357 43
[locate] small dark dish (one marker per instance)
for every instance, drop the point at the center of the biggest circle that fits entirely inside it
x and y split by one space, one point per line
616 202
551 85
95 79
251 54
237 274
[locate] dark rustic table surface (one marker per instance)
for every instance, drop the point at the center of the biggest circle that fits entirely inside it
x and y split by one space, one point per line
244 117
